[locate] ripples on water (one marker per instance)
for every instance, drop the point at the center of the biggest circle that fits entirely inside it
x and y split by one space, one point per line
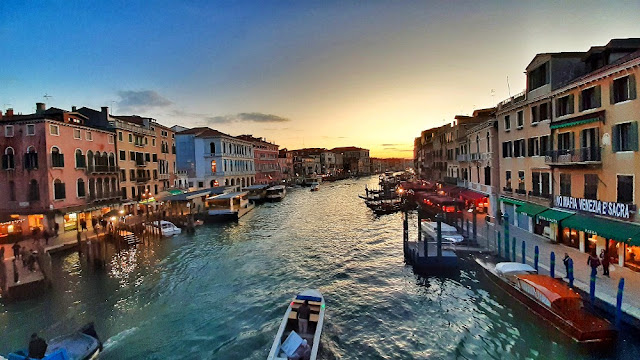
222 292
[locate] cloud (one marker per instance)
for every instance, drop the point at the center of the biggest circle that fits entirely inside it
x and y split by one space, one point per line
246 117
387 145
131 100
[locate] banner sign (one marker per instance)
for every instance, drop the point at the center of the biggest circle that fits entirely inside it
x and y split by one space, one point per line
598 207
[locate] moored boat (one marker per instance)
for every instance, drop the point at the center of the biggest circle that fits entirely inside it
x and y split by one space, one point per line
231 206
166 228
288 339
553 300
83 344
315 186
276 193
257 192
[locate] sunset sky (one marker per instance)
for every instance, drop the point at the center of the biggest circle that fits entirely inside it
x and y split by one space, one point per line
299 73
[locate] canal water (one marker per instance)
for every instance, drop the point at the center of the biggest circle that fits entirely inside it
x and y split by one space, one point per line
221 293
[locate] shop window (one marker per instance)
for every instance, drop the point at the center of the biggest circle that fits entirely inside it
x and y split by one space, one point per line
34 191
59 192
81 188
625 137
565 184
625 189
590 186
57 158
8 159
12 190
623 89
590 98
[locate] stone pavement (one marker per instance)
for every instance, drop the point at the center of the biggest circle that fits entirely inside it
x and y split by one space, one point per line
63 240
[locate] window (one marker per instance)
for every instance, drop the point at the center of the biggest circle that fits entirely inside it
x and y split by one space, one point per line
8 131
214 168
535 117
81 188
59 192
155 189
487 175
544 111
133 192
111 140
565 141
155 174
623 89
147 157
31 158
544 145
77 134
535 182
564 105
130 138
57 158
153 142
123 192
533 146
54 130
123 175
625 137
625 189
539 76
146 141
173 149
590 186
507 149
508 179
132 175
120 139
123 155
34 191
212 147
507 123
590 98
518 148
520 119
89 136
31 129
81 162
132 155
546 184
200 184
12 190
521 180
565 184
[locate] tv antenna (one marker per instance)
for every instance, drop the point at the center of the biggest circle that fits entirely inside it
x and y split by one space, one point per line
508 86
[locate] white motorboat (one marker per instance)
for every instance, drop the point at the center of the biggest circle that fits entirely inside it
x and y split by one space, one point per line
288 341
167 228
449 233
315 186
276 193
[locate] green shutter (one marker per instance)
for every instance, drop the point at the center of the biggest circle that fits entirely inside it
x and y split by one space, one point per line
615 138
580 107
633 136
571 103
632 86
598 96
612 98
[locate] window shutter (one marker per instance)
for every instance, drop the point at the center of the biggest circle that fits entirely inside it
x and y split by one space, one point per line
5 162
580 107
530 152
597 94
615 136
612 98
571 103
633 136
632 86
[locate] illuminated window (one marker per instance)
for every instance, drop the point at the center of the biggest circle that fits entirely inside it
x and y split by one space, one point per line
214 167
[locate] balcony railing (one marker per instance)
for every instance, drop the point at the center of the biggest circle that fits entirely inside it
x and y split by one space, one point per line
462 157
578 156
451 180
102 169
462 183
143 179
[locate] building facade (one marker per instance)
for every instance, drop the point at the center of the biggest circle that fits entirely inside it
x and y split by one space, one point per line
265 159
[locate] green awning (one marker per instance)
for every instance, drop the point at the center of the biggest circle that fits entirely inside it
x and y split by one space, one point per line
175 191
511 201
573 123
554 216
531 209
610 229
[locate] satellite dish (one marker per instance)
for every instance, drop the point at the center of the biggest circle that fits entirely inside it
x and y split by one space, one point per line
606 139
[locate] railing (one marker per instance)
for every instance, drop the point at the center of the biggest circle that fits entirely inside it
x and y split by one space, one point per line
463 157
142 179
101 169
507 189
163 176
451 180
487 189
476 156
462 183
574 156
537 193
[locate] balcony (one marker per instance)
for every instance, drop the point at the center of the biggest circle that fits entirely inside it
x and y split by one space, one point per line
142 179
462 157
580 156
102 169
463 183
163 176
451 180
487 189
141 163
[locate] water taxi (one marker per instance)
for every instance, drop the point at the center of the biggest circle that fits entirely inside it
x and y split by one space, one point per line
288 340
231 206
315 186
83 344
276 193
257 192
166 228
552 299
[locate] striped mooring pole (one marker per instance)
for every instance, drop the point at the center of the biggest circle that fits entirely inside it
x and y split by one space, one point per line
553 265
524 259
536 257
619 302
592 286
570 272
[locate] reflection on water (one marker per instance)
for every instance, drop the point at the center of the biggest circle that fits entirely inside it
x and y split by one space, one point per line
221 293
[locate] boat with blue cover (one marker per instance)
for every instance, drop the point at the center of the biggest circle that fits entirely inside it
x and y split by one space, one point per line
83 344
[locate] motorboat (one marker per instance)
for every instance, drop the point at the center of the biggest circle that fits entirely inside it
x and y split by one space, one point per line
551 299
83 344
315 186
257 192
167 228
276 193
289 340
230 206
449 233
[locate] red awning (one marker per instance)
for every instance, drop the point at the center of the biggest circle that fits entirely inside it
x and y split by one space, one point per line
472 195
450 190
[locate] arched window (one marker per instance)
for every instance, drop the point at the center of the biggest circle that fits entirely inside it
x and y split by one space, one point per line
80 189
212 147
57 158
34 191
31 158
12 190
90 162
214 168
92 189
8 159
112 162
59 191
114 187
81 161
107 187
99 188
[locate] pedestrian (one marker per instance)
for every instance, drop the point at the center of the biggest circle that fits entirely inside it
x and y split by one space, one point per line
46 236
304 311
94 223
24 254
83 225
56 228
37 347
1 253
593 261
565 260
16 250
604 259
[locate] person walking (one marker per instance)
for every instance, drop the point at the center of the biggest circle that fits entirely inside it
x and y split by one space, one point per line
565 261
604 259
304 311
45 235
56 229
83 224
594 262
16 250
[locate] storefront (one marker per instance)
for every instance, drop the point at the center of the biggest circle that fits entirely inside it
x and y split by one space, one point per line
70 221
526 215
548 224
508 207
475 200
10 229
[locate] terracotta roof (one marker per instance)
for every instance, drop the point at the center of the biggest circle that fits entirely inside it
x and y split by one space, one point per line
204 132
347 148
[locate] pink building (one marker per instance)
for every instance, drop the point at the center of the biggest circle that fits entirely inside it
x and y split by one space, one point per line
266 160
54 170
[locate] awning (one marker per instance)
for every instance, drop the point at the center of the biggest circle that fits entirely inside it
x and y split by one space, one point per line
573 123
472 195
554 216
531 209
511 201
610 229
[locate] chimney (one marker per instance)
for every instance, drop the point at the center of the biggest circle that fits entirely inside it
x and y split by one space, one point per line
105 113
9 112
40 108
73 108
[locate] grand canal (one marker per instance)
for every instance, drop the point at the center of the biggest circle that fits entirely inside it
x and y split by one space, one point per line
221 293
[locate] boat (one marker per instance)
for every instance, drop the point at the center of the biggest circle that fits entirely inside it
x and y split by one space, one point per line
552 299
83 344
287 340
309 181
315 186
257 192
231 206
449 233
276 193
167 228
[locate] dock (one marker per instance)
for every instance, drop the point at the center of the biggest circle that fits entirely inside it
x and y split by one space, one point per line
19 282
428 255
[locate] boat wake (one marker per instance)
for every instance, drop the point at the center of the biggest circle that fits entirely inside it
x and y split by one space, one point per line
113 341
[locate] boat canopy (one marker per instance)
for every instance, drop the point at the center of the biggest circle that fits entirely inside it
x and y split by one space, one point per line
277 187
506 268
546 288
256 187
228 196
